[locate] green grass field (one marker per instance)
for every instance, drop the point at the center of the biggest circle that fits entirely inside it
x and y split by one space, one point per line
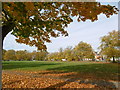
98 69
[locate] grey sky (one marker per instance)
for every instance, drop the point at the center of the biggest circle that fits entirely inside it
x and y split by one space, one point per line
89 32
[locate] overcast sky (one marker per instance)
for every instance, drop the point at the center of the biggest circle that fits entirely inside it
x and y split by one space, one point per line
89 32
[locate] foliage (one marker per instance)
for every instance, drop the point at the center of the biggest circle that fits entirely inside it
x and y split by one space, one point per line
44 74
3 53
84 50
23 55
40 55
110 44
68 52
33 23
58 56
52 56
10 55
111 52
79 52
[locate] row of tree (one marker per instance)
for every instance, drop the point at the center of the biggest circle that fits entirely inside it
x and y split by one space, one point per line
23 55
109 48
79 52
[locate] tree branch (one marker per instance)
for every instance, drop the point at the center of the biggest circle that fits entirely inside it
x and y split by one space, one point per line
7 28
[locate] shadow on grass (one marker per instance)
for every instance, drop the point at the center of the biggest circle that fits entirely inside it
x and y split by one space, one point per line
24 65
103 85
91 72
101 71
95 74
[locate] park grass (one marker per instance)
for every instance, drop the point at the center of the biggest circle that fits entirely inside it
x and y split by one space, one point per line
37 65
103 70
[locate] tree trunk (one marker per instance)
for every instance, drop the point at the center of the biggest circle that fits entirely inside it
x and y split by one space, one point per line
113 59
0 58
4 30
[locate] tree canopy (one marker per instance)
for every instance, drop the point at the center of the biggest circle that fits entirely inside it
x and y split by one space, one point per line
9 55
84 50
33 23
110 44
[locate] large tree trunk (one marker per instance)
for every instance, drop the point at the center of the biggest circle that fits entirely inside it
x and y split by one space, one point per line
4 30
0 58
0 46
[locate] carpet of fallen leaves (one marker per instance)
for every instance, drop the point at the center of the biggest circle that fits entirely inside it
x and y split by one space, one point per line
41 79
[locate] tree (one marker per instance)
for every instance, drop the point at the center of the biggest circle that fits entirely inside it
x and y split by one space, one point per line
34 23
21 55
53 56
29 56
81 51
61 54
43 55
40 55
3 53
10 55
84 50
110 45
68 53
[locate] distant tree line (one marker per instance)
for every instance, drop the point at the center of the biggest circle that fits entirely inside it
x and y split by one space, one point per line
80 52
109 48
24 55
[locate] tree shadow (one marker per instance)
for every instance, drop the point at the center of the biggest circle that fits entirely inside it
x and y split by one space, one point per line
95 74
97 84
20 65
95 71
